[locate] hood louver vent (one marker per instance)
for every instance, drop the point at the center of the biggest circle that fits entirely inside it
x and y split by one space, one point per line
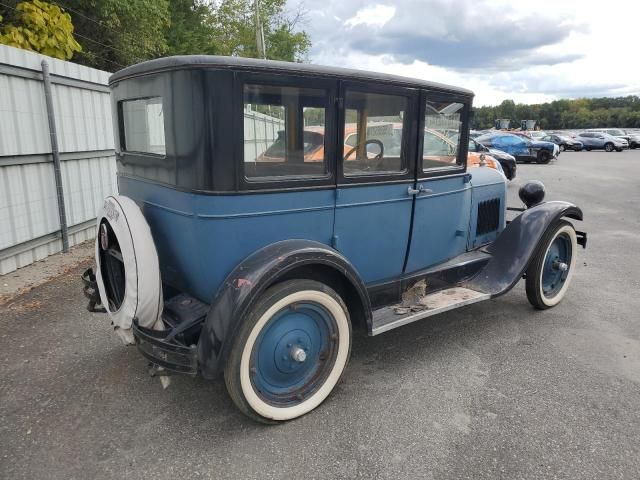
488 216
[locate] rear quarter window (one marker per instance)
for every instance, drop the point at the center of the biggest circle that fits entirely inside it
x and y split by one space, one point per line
142 126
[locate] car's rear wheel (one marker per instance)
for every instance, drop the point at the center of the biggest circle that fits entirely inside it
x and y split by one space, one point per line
543 156
550 271
608 147
588 149
289 352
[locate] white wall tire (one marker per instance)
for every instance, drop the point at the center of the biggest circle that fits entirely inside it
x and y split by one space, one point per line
140 294
253 390
547 281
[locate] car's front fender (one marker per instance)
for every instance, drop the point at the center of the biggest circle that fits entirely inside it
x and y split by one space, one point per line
252 277
513 250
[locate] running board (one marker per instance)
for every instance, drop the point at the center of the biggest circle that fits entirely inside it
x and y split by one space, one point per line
395 316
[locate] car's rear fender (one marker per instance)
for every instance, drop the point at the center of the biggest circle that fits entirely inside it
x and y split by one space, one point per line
254 275
515 247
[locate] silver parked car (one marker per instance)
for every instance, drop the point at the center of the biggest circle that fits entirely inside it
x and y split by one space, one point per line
633 139
602 141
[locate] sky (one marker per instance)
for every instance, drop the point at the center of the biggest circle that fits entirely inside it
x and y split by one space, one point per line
530 51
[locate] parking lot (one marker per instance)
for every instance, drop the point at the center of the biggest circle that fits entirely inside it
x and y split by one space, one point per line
492 390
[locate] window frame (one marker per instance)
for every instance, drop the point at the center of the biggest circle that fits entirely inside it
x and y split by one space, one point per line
408 151
285 182
463 147
122 132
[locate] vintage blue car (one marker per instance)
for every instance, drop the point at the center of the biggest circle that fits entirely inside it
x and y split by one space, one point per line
238 246
521 147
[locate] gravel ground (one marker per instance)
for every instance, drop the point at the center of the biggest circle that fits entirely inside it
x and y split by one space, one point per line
492 390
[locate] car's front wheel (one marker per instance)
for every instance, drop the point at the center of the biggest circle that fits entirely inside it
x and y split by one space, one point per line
562 148
289 352
608 147
550 271
543 156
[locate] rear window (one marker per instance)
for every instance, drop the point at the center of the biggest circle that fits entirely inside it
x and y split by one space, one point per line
142 125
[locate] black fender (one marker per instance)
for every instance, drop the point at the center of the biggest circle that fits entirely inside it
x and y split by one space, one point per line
513 249
251 278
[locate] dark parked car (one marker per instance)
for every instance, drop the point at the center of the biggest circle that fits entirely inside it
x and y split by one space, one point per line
214 260
564 142
507 161
521 147
634 139
602 141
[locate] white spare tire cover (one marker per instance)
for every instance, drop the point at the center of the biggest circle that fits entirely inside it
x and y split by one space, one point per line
142 284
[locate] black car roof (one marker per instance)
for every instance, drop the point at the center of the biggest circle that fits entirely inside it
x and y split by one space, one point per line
237 63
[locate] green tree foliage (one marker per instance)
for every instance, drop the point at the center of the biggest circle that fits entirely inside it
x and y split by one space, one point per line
41 27
189 32
117 33
623 112
234 30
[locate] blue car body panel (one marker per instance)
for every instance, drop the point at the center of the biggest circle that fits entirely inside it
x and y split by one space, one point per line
201 238
441 222
373 222
486 185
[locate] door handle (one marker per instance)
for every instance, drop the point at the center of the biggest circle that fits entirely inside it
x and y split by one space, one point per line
419 190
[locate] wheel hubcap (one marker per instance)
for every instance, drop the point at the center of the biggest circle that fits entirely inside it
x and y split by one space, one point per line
294 354
556 266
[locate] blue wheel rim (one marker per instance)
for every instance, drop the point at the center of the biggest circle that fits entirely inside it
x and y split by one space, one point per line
280 374
553 274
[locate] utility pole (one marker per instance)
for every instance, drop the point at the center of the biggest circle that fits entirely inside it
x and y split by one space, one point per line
259 31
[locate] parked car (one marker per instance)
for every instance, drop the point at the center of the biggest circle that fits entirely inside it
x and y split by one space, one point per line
602 141
564 142
536 134
634 139
521 147
508 162
212 262
614 132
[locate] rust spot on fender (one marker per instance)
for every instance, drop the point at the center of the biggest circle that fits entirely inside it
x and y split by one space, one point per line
243 282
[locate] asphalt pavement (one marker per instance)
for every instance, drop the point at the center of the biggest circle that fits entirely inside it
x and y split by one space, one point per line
492 390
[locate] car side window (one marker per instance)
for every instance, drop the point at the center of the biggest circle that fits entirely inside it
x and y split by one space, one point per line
284 130
442 134
373 133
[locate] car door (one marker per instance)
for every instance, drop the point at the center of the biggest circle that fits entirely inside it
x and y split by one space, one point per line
520 147
376 140
443 192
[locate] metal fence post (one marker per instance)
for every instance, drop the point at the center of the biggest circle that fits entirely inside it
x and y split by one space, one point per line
56 156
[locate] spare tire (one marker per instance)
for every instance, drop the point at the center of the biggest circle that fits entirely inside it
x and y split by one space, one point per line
127 273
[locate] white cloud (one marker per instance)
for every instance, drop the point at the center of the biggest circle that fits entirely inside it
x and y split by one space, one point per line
376 16
530 52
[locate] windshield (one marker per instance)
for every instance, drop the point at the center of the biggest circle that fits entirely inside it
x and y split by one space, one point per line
616 132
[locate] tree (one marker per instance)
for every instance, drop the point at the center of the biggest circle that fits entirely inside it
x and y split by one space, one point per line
41 27
234 30
189 32
622 112
117 33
